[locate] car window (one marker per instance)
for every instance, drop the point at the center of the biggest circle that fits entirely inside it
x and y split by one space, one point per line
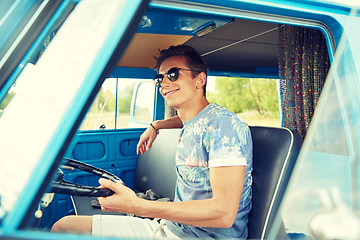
113 103
101 114
255 100
144 103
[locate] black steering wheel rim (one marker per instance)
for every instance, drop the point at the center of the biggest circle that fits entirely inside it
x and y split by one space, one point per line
63 187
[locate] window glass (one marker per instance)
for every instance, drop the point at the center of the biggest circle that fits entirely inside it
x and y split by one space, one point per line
255 100
101 114
125 93
48 103
11 40
144 104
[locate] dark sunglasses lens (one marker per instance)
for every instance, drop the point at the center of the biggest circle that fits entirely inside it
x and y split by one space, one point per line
173 74
158 79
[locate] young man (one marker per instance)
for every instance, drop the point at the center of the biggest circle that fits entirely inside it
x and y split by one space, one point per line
213 164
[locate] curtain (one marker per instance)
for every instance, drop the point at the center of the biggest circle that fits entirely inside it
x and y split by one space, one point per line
303 67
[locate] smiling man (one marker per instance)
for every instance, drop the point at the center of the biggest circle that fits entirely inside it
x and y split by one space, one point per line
213 164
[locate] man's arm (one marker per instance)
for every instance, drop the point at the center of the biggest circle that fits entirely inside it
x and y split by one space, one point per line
219 211
148 137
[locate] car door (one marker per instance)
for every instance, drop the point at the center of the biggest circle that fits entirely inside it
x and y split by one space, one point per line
55 94
322 199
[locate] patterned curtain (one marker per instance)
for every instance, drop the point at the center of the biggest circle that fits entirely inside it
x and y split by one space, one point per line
303 67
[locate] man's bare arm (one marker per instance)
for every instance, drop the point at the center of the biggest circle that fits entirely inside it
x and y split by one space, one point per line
219 211
149 136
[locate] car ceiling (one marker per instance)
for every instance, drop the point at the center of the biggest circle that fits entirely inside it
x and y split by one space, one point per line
241 46
259 51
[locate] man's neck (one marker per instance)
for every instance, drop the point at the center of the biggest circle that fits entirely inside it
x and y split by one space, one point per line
189 113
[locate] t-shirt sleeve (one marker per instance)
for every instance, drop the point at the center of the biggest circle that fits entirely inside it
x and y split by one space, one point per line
226 141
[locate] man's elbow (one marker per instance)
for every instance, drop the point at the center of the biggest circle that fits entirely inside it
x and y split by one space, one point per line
226 219
229 221
225 214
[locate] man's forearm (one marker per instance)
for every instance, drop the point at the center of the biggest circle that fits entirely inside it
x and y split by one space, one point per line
174 122
199 213
218 211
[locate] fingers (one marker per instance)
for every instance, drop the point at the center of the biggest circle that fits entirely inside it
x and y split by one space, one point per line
146 141
105 183
149 143
104 209
141 146
121 201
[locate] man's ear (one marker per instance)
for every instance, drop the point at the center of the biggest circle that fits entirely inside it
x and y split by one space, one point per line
200 80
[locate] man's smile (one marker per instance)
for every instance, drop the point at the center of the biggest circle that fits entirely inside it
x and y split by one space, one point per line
170 92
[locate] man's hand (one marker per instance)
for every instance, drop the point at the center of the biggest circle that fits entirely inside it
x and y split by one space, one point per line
124 199
148 137
146 140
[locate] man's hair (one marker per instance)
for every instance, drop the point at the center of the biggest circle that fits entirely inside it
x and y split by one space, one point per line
193 59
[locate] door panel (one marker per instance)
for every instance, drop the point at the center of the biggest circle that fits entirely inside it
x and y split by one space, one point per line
114 151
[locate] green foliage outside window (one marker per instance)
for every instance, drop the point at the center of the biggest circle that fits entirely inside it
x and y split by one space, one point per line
246 94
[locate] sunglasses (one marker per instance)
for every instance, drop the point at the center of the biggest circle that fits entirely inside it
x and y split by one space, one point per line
172 74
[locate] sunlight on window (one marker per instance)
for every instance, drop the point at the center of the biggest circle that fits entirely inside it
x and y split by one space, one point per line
255 100
113 105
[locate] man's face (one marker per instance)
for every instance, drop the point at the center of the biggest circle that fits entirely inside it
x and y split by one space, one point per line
182 92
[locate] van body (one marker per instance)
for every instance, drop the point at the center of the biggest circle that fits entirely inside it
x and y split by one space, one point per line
64 62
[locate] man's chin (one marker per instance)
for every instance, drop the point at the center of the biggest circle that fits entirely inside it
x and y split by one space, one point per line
172 104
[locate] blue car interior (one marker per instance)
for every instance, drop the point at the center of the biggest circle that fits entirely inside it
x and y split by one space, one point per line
114 150
275 152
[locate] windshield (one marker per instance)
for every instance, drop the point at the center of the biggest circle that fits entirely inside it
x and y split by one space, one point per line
35 116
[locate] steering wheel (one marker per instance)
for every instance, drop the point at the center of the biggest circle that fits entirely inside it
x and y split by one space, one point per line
61 186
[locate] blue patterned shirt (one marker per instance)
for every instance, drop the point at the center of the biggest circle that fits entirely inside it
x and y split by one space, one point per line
216 137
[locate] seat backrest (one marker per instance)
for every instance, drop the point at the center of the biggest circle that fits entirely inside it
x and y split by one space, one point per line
156 168
275 151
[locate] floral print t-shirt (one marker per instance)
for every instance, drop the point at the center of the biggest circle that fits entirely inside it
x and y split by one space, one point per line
216 137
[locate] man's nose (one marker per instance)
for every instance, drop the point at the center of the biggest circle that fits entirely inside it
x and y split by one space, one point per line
166 81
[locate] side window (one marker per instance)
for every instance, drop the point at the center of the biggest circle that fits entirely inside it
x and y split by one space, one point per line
112 106
125 90
255 100
101 112
143 107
